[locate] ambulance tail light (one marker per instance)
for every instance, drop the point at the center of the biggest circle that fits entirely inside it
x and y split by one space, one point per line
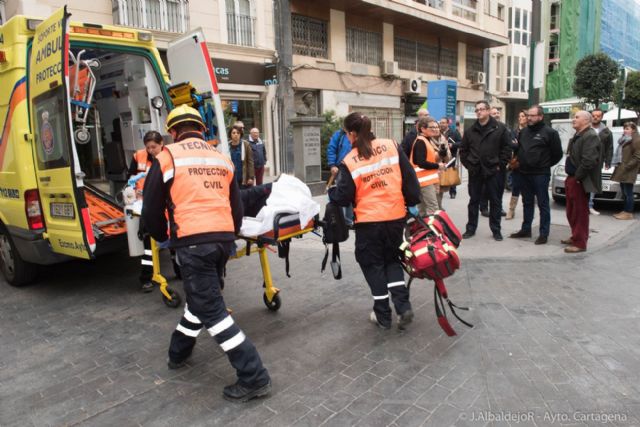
33 209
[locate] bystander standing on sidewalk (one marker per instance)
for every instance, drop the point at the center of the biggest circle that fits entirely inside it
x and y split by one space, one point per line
259 154
424 159
626 160
539 148
514 175
454 139
485 152
583 168
606 139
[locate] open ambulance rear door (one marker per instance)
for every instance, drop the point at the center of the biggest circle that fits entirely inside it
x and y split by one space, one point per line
58 173
189 61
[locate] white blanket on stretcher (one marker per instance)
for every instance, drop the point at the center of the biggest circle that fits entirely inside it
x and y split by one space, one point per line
289 195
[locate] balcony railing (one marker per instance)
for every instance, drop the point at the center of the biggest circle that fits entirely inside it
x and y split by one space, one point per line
240 29
159 15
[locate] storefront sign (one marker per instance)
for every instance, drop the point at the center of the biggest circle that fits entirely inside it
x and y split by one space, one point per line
246 73
555 109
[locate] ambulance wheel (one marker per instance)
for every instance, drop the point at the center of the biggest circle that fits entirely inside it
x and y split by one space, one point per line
275 303
17 271
175 300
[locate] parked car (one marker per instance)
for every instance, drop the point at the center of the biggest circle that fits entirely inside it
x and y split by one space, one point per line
610 189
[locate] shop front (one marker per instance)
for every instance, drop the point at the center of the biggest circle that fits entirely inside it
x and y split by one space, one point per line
246 89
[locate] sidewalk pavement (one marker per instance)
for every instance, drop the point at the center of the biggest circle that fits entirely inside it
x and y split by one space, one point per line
605 230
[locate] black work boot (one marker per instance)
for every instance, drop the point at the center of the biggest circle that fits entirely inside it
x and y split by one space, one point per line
239 393
404 319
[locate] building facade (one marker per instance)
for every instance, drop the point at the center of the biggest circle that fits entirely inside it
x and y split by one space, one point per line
364 55
508 66
573 29
239 34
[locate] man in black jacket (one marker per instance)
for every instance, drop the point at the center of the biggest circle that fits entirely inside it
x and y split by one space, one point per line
410 137
539 148
485 152
606 139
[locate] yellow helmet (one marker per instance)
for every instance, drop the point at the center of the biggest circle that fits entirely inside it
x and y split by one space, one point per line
183 114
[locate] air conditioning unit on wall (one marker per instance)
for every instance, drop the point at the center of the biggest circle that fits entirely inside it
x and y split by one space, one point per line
480 78
390 68
413 86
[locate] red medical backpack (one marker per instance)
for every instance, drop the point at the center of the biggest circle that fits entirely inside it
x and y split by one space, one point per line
429 252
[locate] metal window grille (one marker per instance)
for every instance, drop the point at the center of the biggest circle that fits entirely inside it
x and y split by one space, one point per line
415 56
309 36
385 122
364 47
474 65
240 29
160 15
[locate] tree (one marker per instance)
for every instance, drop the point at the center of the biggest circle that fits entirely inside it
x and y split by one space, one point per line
594 78
632 92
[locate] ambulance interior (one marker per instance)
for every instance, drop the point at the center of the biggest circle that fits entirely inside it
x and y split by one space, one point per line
115 99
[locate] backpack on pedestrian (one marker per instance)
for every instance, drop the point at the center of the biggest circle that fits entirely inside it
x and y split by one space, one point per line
429 252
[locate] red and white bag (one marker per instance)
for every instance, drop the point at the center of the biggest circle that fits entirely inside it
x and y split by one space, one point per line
429 252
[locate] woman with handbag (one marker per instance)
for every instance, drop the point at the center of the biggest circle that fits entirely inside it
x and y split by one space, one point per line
378 180
443 155
424 159
513 165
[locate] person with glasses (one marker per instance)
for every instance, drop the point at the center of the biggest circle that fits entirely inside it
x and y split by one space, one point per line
424 159
485 152
539 148
443 155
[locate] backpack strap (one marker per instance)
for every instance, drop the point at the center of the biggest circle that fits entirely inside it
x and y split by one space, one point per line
283 252
336 267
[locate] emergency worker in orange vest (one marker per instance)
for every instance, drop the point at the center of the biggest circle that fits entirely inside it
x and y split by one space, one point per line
195 182
377 178
424 160
141 162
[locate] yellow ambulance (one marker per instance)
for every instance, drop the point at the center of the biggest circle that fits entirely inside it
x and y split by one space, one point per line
77 99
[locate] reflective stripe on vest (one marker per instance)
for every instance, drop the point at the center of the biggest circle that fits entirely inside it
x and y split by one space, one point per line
141 157
425 176
202 178
378 182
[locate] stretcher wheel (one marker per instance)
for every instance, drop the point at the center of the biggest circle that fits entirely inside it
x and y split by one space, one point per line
175 300
275 303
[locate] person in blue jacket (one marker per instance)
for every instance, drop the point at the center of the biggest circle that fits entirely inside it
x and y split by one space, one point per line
339 147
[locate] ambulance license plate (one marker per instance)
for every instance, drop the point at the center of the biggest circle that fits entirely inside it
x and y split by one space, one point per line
62 210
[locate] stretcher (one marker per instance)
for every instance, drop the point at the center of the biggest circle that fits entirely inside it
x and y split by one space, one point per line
286 226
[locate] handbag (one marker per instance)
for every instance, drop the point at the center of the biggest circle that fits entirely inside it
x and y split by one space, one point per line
450 177
514 163
335 231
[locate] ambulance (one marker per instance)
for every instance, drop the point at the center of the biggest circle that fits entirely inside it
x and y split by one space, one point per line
76 100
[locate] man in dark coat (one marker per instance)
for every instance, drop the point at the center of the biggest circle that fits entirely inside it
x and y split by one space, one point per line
539 148
606 139
410 137
485 152
582 166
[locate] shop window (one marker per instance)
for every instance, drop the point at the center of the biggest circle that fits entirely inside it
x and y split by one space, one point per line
309 36
240 23
364 47
248 111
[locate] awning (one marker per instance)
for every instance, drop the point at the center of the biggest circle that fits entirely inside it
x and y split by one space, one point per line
624 114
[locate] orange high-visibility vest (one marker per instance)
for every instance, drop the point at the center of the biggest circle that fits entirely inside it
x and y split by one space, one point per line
200 190
143 163
378 183
425 176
